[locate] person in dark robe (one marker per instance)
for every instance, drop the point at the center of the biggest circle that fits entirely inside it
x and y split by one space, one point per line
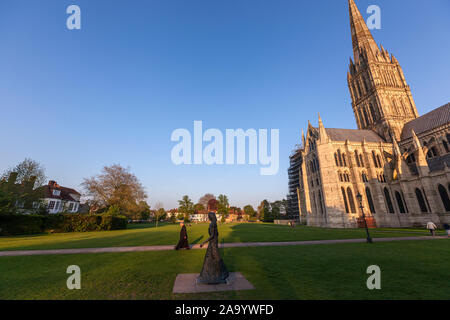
214 270
183 243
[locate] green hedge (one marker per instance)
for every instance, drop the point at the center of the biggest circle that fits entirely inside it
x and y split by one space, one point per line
33 224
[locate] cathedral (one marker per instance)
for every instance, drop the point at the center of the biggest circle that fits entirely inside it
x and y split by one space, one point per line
395 167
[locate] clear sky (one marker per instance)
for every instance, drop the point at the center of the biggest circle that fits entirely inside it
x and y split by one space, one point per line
114 91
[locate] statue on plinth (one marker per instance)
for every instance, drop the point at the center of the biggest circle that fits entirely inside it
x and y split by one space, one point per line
214 270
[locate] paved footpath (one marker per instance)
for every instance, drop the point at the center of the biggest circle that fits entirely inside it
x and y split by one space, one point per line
196 246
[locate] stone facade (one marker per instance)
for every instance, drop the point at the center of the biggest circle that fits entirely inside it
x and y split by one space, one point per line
399 162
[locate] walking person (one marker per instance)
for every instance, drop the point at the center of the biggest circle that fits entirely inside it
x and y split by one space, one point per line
432 227
183 243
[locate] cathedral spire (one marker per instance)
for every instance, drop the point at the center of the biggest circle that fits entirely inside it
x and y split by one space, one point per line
361 37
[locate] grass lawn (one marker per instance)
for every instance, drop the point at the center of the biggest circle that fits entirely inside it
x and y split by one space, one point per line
410 270
147 235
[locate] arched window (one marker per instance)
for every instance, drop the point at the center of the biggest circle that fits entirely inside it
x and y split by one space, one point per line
361 160
357 158
339 157
365 116
351 200
336 159
387 196
361 119
345 200
372 112
445 144
370 200
400 202
340 177
421 201
374 159
322 211
344 159
379 161
444 197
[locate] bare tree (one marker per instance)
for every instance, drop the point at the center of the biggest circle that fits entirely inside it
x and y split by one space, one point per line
115 185
27 169
204 200
159 212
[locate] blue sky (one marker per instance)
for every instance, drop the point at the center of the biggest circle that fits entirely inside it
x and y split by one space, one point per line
114 91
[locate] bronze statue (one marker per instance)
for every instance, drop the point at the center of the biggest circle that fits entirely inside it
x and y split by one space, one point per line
214 270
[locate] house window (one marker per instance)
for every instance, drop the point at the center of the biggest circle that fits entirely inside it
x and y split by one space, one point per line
56 192
51 205
70 206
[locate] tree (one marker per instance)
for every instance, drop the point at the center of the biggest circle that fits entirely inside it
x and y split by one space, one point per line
264 212
186 206
115 185
222 206
160 213
204 200
248 210
25 170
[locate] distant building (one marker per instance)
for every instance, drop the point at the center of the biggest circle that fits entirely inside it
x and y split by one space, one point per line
295 160
60 199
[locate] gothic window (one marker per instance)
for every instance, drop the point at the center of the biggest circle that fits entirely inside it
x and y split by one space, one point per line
357 159
379 161
411 158
359 89
421 201
341 179
444 197
445 144
361 118
365 116
351 200
322 210
387 196
370 200
364 177
314 202
344 159
406 205
336 159
400 202
361 160
372 112
374 159
345 200
339 157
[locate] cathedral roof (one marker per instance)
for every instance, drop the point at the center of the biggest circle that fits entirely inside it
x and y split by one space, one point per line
434 119
353 135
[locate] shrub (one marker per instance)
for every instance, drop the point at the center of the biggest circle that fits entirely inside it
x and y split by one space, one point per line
33 224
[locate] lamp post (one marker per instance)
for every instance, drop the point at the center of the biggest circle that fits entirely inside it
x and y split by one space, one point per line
359 197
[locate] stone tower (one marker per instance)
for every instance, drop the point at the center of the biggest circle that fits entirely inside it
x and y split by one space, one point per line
381 98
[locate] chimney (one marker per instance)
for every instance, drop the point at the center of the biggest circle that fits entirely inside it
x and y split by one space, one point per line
52 183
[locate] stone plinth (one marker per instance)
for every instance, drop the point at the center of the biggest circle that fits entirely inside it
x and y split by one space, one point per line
187 283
